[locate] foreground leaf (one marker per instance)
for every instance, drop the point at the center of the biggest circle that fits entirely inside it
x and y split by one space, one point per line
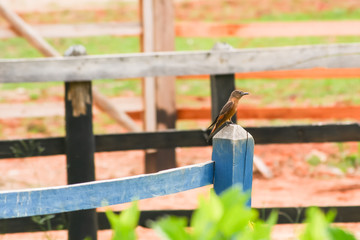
124 224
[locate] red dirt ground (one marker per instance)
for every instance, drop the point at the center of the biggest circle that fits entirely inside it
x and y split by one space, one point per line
294 183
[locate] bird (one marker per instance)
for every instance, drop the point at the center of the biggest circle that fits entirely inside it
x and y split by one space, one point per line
228 110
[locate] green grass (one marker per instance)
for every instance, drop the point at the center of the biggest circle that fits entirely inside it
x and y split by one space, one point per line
198 43
114 88
19 48
193 87
333 14
288 92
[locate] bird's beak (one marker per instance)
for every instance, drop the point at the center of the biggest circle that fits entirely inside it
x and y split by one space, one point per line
244 93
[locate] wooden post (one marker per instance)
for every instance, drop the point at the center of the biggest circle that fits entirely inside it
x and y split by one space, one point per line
159 35
221 86
148 86
233 152
164 40
147 45
80 147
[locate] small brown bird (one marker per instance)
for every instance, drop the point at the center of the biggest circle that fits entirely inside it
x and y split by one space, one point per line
228 110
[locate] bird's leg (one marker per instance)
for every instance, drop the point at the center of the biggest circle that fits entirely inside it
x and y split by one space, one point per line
229 122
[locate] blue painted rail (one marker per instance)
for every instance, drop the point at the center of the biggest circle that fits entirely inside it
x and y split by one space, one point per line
232 163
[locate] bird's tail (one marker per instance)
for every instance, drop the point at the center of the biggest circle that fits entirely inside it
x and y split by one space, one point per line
211 134
213 123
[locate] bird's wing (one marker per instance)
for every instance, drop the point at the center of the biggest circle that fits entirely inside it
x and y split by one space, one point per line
227 107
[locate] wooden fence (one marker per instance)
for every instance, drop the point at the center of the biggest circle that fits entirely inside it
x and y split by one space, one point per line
233 155
145 27
301 62
220 64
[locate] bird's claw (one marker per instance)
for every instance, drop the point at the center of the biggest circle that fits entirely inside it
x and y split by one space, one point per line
229 122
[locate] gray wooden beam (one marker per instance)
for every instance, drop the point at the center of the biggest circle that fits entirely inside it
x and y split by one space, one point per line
180 63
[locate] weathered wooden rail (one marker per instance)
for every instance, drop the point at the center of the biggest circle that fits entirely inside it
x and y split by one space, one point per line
32 202
121 66
221 64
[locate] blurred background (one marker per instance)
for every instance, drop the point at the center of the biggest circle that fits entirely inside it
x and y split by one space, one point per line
326 171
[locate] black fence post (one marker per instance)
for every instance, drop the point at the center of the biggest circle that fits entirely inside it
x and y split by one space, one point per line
221 86
80 148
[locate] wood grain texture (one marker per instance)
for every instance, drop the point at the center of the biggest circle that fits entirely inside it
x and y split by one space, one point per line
233 153
81 196
180 63
164 86
148 83
342 132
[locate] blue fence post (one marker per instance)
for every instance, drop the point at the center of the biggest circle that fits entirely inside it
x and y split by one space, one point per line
233 152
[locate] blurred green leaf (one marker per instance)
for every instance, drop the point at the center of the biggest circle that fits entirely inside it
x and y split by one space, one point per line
228 217
124 224
225 217
205 218
171 227
318 226
236 215
338 233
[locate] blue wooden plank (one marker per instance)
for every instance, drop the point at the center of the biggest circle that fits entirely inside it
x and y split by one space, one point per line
42 201
233 152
